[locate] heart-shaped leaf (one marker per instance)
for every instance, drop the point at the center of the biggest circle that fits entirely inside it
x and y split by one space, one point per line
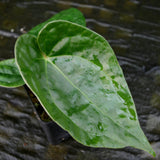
76 77
9 74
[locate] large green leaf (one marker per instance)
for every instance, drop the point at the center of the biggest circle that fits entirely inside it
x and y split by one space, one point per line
9 74
76 77
72 15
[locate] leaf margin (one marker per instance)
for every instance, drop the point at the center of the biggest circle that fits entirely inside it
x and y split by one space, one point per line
62 127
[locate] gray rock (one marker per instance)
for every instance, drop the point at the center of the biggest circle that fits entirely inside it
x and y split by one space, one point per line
153 124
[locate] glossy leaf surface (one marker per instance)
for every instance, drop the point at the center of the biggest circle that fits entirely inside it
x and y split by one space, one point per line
9 74
64 38
75 75
72 15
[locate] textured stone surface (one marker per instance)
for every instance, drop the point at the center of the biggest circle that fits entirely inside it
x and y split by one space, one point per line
132 27
153 124
21 136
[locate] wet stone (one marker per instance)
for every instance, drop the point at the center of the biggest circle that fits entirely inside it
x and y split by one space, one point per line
21 136
153 124
155 74
72 150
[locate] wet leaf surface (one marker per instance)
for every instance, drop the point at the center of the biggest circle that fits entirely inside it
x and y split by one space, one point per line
92 102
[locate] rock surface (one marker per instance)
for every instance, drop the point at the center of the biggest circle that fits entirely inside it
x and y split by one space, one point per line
21 136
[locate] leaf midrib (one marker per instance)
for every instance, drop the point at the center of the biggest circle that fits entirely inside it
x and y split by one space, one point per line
87 97
46 59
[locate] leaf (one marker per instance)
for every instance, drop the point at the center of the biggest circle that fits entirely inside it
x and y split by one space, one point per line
88 98
72 15
9 74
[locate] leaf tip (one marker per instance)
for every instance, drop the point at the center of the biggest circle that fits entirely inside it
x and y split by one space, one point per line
153 153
